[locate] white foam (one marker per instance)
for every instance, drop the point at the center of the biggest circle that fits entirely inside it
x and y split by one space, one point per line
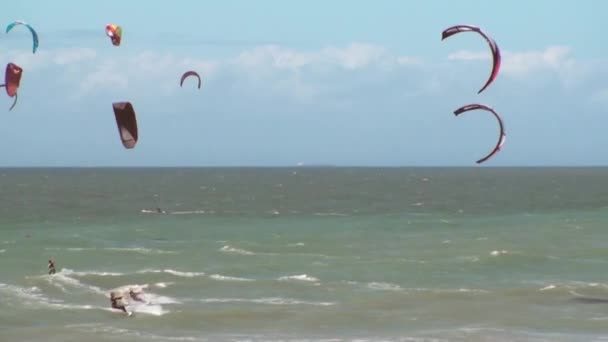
128 287
469 258
384 286
147 298
24 293
330 214
156 299
459 290
497 252
299 277
297 244
548 287
228 278
33 298
268 301
191 212
140 250
163 285
174 272
184 274
63 278
150 309
88 273
229 249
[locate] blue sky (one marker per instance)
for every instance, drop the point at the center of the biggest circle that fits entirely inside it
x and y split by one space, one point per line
315 82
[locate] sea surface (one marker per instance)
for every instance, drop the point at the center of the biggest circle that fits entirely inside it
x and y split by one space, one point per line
305 254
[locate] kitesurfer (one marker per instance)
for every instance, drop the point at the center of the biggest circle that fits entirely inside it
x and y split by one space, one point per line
51 267
135 295
114 300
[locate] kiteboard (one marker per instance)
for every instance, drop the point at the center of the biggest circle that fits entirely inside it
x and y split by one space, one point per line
119 311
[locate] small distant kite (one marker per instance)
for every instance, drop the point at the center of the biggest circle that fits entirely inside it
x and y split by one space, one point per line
188 74
12 78
493 47
115 33
126 122
501 137
34 34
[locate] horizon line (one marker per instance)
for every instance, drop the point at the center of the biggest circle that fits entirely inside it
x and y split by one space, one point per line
293 166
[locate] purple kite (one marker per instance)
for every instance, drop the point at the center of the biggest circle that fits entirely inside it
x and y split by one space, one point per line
493 46
501 137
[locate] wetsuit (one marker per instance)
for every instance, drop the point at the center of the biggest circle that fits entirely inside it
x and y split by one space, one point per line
116 306
51 267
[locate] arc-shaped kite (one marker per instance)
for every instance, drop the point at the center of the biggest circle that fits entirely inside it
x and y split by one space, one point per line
12 78
188 74
496 59
126 122
34 34
502 134
115 33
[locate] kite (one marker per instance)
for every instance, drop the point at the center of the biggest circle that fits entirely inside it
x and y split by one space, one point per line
493 47
34 34
126 122
188 74
12 78
501 137
115 33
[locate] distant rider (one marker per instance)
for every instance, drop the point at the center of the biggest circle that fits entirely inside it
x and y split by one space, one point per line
51 267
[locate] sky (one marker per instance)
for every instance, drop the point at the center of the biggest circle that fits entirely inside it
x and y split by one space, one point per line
316 82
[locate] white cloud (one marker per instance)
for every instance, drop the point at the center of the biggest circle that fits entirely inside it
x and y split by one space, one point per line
105 75
68 56
302 74
557 60
465 55
525 62
553 58
48 58
352 57
278 69
355 56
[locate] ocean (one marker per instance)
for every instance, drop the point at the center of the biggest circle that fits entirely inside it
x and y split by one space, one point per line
305 254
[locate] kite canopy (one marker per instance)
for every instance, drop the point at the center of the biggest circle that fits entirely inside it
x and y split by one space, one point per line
34 34
12 78
188 74
126 122
115 33
502 133
493 47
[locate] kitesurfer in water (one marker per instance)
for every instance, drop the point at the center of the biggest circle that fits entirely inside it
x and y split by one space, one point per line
51 267
135 295
114 299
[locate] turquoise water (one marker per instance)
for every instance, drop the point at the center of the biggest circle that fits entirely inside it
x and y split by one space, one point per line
306 254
